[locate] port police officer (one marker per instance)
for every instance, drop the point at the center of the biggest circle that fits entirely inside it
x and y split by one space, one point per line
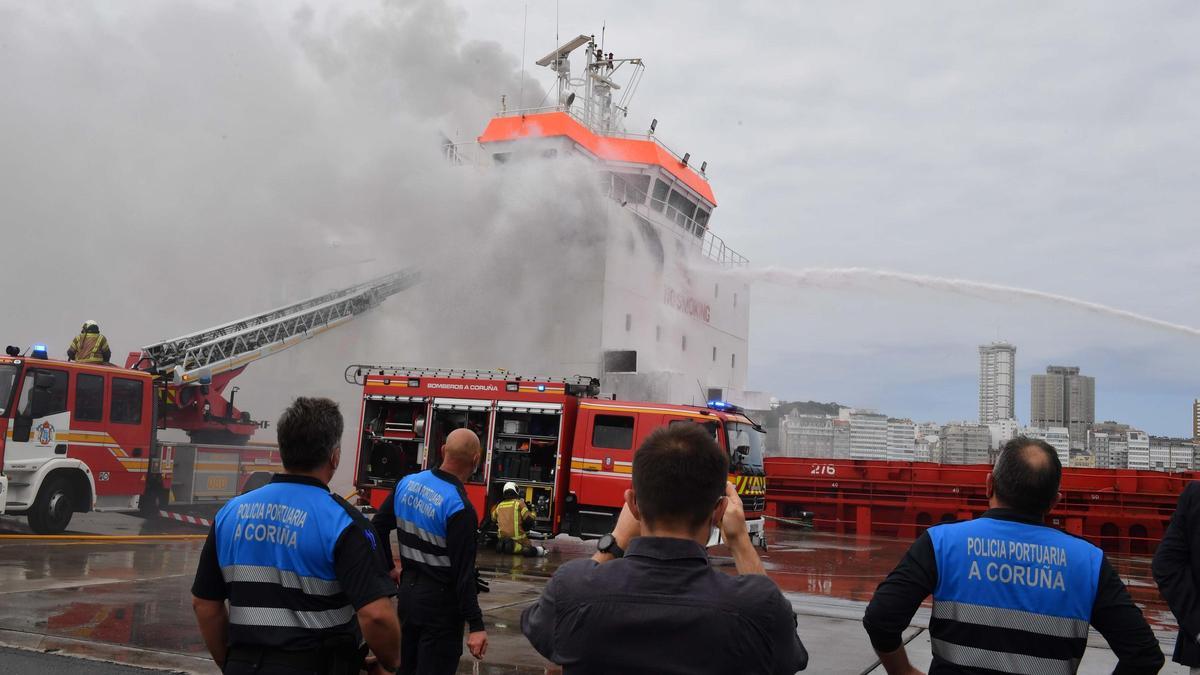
436 527
1010 594
298 566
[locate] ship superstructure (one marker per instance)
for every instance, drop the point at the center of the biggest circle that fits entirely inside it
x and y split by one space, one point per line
659 314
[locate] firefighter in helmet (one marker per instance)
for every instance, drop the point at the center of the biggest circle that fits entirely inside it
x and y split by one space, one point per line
513 518
90 346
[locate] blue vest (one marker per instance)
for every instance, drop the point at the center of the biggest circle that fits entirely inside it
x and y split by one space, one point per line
1012 596
275 546
423 503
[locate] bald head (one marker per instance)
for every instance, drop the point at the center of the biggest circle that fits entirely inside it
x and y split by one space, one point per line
461 453
1027 475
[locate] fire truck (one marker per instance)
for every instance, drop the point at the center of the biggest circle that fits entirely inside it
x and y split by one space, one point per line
85 436
569 451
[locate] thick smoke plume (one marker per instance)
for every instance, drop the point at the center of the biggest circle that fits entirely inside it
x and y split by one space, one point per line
171 166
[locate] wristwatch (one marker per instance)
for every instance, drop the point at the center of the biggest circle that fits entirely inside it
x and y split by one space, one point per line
608 544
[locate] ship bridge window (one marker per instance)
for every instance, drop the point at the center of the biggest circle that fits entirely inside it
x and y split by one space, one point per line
501 157
629 188
658 200
652 240
682 208
702 218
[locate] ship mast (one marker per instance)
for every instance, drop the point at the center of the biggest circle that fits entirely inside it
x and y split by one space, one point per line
591 98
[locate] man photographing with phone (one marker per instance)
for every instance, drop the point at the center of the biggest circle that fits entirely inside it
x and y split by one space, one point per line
648 600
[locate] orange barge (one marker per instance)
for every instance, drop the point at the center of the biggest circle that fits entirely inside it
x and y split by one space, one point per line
1120 510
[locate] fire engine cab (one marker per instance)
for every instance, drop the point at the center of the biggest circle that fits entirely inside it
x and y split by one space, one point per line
83 436
569 451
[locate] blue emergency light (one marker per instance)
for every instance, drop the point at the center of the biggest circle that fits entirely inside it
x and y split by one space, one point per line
723 405
541 387
39 352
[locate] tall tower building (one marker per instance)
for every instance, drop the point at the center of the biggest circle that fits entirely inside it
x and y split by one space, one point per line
1196 420
1063 398
997 383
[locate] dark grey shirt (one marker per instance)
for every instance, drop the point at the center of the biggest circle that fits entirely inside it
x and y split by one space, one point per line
663 609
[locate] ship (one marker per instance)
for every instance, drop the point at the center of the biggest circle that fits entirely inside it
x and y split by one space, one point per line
1123 511
660 313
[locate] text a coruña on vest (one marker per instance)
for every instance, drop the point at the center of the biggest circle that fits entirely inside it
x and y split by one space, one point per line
1018 563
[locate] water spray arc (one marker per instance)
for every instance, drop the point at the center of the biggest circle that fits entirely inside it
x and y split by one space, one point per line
850 277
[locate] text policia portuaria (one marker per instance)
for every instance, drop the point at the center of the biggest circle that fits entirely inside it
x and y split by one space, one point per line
285 520
421 498
1020 563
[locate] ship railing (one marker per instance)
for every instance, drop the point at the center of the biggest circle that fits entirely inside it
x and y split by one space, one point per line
648 208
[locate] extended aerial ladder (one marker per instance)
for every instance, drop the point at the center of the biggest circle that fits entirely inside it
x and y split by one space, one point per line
194 370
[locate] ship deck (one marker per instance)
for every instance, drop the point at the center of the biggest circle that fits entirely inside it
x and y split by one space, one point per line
128 601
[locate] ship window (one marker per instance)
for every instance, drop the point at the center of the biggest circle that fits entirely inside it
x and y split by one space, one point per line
716 290
735 299
658 337
683 207
628 322
501 157
126 401
630 188
714 353
659 198
89 398
702 217
613 431
733 360
683 344
620 361
653 241
550 154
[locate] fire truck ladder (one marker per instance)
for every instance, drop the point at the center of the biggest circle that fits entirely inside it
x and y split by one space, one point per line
201 355
356 373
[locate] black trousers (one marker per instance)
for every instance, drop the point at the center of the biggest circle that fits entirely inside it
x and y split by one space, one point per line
431 627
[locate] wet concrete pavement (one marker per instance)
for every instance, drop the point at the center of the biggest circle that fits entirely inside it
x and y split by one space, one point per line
129 600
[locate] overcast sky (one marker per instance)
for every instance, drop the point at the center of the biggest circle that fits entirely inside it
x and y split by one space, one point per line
190 160
1043 145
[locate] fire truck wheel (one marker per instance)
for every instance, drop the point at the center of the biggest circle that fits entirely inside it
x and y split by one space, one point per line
53 508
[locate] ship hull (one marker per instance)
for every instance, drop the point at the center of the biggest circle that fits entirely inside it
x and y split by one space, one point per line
1121 510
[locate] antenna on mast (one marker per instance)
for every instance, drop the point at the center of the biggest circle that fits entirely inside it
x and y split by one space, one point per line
524 37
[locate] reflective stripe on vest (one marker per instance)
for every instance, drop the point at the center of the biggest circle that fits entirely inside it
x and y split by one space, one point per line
515 506
1002 584
290 618
1018 664
89 347
258 574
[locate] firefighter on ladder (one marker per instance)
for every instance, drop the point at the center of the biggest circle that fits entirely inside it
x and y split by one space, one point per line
90 346
513 518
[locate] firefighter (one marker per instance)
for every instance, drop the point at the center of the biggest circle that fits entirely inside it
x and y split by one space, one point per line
90 346
513 517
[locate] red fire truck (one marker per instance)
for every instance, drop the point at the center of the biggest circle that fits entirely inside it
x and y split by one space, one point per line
82 437
569 451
